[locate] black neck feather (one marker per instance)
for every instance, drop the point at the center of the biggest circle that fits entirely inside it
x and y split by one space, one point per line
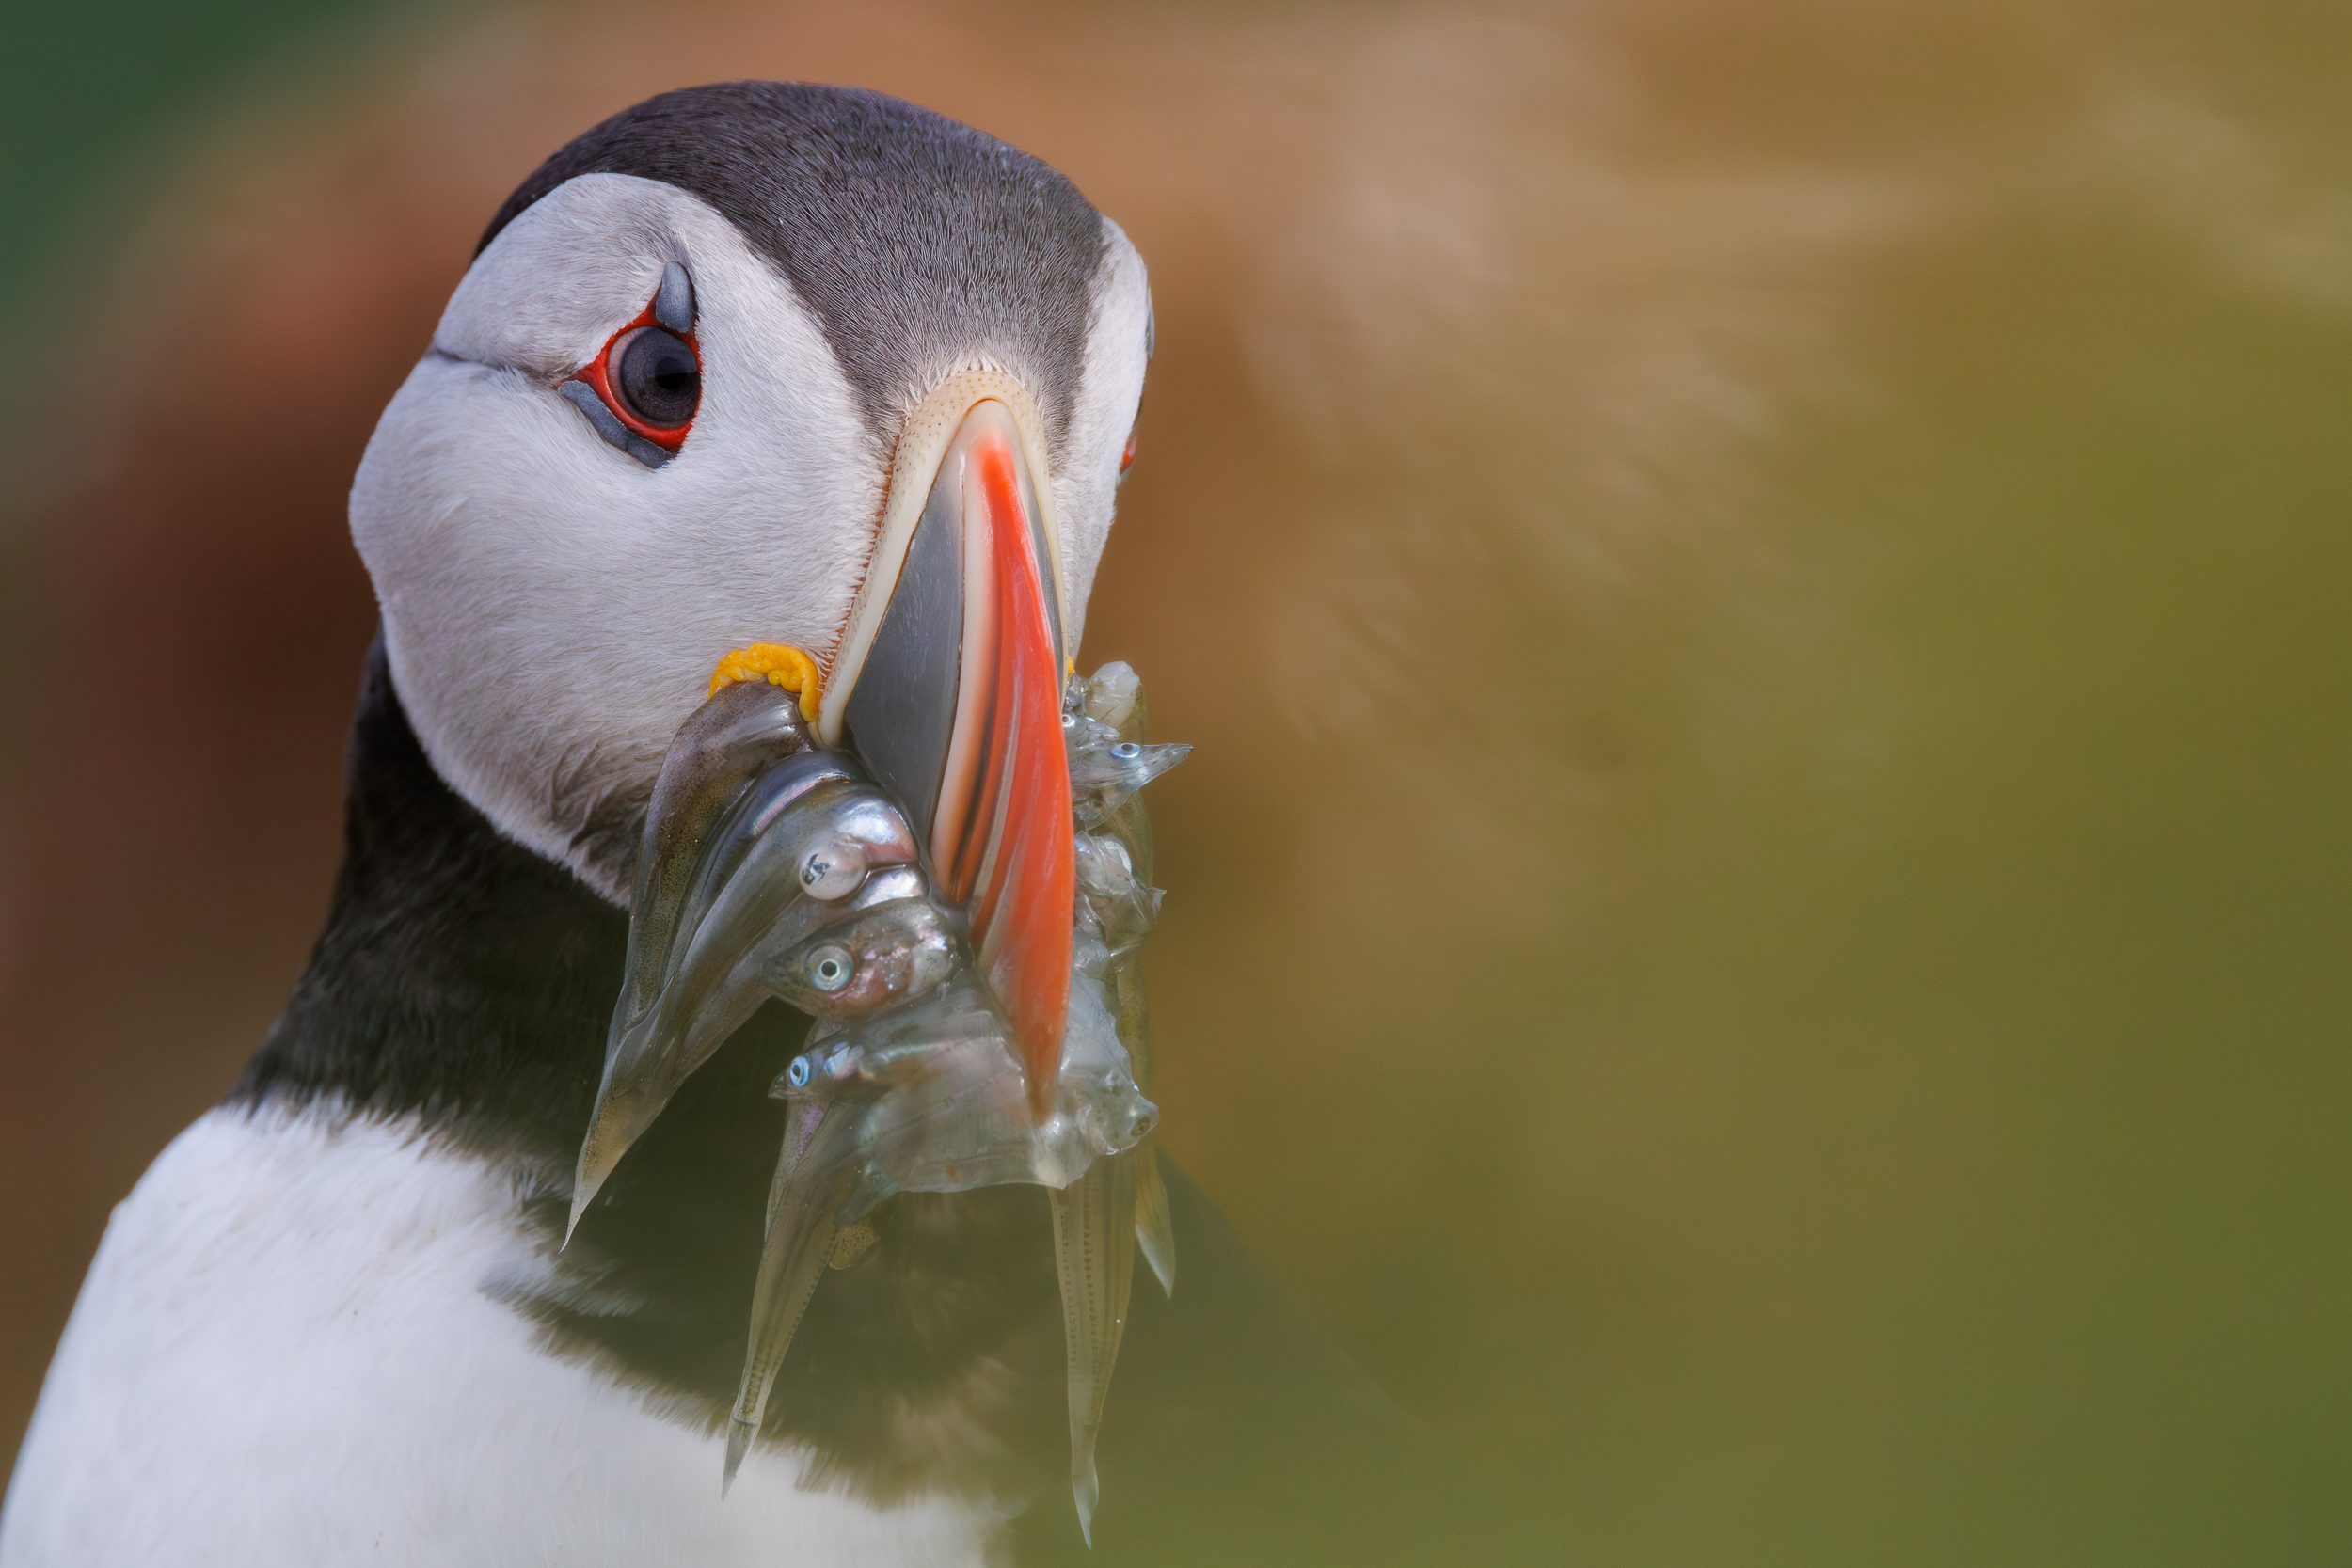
459 978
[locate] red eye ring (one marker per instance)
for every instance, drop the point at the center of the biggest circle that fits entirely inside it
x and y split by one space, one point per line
598 375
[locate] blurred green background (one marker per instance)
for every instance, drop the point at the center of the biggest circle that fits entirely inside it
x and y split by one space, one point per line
1759 923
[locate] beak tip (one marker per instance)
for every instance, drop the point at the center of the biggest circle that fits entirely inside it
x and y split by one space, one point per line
1041 1086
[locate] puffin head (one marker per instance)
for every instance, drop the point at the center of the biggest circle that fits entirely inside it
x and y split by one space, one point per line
762 363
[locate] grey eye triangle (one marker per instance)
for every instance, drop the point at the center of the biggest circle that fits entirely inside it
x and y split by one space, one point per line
674 304
583 397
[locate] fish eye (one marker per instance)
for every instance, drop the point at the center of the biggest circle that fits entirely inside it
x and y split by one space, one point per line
656 378
829 968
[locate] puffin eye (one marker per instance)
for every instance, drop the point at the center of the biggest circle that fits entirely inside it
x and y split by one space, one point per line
656 378
643 389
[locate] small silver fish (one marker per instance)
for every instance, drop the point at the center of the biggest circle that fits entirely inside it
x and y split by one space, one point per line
770 869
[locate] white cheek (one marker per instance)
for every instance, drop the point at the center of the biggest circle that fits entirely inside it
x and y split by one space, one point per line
552 607
1086 489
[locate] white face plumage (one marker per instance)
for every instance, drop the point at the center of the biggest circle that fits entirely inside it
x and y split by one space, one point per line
552 606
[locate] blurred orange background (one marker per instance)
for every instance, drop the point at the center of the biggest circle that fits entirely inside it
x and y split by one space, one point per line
1758 922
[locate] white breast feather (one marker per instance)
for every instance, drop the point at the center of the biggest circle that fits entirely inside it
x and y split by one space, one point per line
287 1353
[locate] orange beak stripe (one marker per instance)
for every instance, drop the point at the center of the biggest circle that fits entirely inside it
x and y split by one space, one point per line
1006 844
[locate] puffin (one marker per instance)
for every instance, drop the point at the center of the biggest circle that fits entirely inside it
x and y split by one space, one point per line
702 357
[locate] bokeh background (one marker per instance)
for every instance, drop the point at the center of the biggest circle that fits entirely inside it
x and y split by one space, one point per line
1759 924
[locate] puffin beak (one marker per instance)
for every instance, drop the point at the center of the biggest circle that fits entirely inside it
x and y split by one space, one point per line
948 687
